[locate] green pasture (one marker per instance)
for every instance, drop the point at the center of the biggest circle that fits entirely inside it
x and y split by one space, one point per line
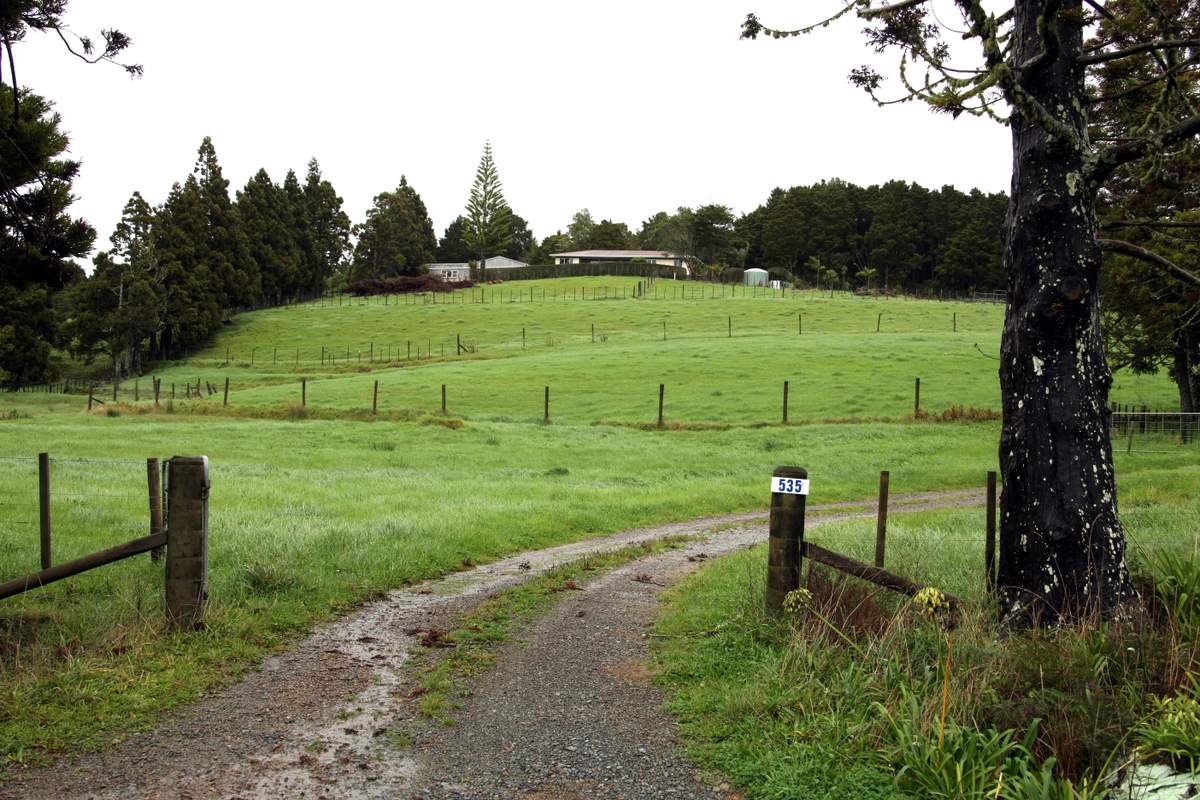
720 360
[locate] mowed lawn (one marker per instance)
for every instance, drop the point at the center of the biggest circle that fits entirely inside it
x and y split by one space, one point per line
311 516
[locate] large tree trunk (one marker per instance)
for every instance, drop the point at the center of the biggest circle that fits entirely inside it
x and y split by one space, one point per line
1062 546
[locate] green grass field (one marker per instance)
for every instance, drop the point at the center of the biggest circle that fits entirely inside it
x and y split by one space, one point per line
722 361
312 513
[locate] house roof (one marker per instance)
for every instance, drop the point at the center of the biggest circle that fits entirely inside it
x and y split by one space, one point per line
505 260
448 265
617 254
756 269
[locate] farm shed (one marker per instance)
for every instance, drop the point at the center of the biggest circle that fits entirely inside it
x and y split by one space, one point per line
755 277
503 262
450 271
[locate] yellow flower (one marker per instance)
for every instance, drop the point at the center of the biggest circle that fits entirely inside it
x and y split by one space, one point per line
796 600
931 602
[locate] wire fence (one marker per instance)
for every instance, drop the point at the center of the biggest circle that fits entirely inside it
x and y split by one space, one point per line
1154 431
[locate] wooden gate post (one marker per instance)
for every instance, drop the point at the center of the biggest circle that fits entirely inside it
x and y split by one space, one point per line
154 486
225 402
187 540
661 389
785 548
881 518
989 544
917 399
546 418
375 399
785 402
443 398
44 506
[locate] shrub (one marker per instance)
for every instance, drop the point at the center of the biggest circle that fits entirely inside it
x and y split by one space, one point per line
406 284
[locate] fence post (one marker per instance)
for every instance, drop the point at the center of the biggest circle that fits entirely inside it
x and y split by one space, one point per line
917 399
989 544
785 547
546 418
660 405
522 338
136 393
225 402
878 321
187 540
881 519
154 486
157 389
443 398
44 506
303 392
91 396
955 322
375 399
785 402
731 327
800 324
593 333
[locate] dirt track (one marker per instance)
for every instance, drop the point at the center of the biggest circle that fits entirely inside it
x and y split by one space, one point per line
567 713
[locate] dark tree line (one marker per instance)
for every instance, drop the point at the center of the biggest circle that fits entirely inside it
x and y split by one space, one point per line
894 235
174 273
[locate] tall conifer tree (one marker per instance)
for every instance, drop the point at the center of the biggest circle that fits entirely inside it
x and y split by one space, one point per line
488 231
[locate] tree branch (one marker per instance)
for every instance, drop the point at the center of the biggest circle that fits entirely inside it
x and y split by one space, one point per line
1149 223
871 13
1130 249
1112 157
1142 47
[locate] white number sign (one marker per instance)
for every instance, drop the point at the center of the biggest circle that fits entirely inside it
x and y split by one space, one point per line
789 485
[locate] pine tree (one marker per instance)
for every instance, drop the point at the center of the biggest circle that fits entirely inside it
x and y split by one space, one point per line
488 231
38 238
223 246
327 228
269 225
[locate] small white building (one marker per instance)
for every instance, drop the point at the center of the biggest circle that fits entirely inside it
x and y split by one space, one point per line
503 262
450 271
659 257
755 277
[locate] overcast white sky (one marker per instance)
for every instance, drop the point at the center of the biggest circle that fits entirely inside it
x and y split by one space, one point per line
623 107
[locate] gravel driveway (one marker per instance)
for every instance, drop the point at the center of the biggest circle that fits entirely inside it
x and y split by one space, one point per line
566 713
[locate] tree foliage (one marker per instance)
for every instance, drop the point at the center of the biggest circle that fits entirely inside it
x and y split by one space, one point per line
38 237
396 238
